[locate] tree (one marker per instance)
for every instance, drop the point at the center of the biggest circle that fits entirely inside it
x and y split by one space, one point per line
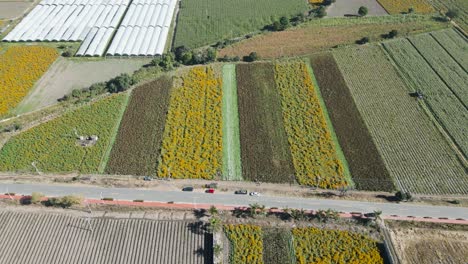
393 33
252 57
284 21
120 83
277 26
211 54
411 10
377 214
297 214
452 13
403 196
321 12
362 41
326 215
213 210
363 11
36 197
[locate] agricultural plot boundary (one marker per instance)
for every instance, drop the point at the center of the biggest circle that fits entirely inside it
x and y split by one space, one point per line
367 168
231 136
443 103
105 158
396 122
339 151
265 152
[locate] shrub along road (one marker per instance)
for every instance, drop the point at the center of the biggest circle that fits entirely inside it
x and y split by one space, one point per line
388 209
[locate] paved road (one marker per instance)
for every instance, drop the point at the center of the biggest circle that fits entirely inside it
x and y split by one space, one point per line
387 209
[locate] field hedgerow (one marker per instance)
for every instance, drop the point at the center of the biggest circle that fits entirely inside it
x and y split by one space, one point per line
246 243
20 68
192 143
313 151
53 146
403 6
313 245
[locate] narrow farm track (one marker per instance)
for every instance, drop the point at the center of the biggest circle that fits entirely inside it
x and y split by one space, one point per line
49 237
231 137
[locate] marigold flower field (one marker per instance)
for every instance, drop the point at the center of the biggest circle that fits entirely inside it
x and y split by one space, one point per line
312 148
53 145
402 6
246 242
314 245
192 144
20 68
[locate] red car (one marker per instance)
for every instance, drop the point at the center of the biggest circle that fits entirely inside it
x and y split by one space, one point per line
211 190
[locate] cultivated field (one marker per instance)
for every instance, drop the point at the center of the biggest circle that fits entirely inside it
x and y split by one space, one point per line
414 151
367 167
265 151
232 169
138 144
314 151
459 5
454 43
65 75
61 238
448 104
203 22
351 7
332 31
53 146
246 243
430 245
313 245
403 6
279 246
20 68
192 145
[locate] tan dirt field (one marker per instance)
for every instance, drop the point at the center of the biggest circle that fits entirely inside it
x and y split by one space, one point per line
430 246
311 38
13 9
68 74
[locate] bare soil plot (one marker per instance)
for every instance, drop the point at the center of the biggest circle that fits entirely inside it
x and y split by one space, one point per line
138 143
323 34
265 150
65 75
367 167
416 154
430 245
13 9
61 238
350 7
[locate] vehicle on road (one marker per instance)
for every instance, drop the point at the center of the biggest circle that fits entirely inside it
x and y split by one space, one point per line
241 192
187 189
211 190
254 194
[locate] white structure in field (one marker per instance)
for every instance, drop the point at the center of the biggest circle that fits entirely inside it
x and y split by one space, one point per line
145 28
90 21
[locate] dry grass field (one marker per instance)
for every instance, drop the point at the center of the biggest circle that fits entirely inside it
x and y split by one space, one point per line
430 246
50 237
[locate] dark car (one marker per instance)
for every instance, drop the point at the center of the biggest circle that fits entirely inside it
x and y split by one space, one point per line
241 192
187 189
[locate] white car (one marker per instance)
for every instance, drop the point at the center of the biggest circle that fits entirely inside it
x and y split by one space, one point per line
254 194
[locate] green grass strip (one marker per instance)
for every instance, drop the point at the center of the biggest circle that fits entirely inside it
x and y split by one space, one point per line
105 158
339 151
231 138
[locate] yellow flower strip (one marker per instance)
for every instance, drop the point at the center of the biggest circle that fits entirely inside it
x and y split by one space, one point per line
246 243
402 6
314 155
314 245
20 68
192 144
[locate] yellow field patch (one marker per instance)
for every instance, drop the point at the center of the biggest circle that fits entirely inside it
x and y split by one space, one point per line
403 6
